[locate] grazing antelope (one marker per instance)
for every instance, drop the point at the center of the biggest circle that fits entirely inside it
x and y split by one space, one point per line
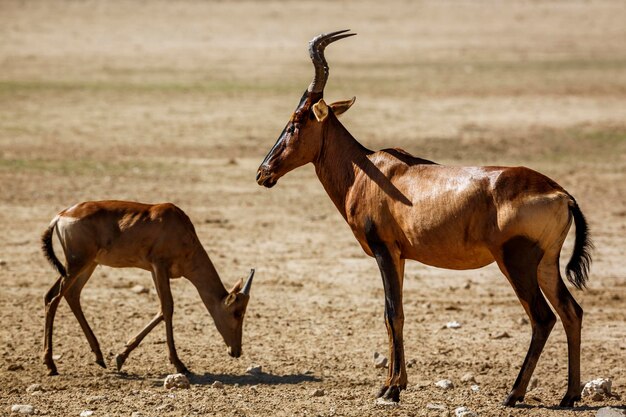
159 238
402 207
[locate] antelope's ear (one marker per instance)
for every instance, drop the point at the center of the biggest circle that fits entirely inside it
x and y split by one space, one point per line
237 287
230 298
340 107
320 110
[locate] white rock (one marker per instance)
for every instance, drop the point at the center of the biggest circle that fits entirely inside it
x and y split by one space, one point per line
140 289
439 407
318 392
22 409
380 361
254 369
34 388
176 381
453 325
464 412
386 403
597 389
475 388
468 377
610 412
86 413
444 384
218 384
96 398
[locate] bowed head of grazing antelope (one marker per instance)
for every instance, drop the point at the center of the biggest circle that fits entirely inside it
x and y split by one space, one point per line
159 238
402 207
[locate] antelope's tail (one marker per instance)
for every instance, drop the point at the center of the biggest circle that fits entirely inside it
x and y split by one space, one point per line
48 250
577 269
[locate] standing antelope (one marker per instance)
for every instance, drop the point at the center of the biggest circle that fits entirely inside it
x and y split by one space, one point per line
159 238
401 207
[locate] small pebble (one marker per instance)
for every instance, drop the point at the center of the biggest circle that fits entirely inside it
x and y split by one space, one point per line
380 361
501 335
22 409
140 289
34 388
444 384
15 367
439 407
468 377
136 414
522 321
597 389
611 412
176 381
218 384
534 383
453 325
96 398
86 413
411 363
3 262
254 370
475 388
464 412
318 392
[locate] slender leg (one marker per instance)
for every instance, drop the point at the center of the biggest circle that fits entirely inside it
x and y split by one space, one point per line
72 296
519 262
162 284
571 315
136 340
392 272
51 300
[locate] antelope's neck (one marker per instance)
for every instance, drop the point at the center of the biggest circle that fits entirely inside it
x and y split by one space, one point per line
338 162
205 278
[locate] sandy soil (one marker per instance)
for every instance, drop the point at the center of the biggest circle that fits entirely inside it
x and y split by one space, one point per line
180 101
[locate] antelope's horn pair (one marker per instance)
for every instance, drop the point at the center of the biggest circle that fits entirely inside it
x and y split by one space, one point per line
316 50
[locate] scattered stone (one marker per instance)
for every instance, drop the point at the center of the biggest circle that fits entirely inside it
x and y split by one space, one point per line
411 363
57 357
534 383
597 389
3 262
468 285
522 321
501 335
444 384
438 407
464 412
176 381
318 392
453 325
86 413
15 367
611 412
136 414
254 370
254 388
34 388
475 388
468 377
380 361
23 409
218 384
140 289
95 398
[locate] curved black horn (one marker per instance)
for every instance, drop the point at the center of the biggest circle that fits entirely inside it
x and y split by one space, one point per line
316 51
248 284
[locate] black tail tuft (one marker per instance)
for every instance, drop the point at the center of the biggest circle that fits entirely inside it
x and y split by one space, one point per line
577 269
48 251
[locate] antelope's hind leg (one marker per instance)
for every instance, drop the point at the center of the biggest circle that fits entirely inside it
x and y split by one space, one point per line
519 260
72 296
571 315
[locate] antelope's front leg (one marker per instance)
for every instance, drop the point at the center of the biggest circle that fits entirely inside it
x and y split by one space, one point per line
392 272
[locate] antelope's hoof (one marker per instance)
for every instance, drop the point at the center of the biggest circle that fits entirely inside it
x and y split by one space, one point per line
513 399
382 391
100 362
569 400
119 362
52 372
182 369
391 394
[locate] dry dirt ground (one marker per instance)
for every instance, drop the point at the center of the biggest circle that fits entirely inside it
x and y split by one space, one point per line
180 101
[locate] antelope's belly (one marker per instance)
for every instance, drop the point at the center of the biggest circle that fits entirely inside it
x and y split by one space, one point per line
450 257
